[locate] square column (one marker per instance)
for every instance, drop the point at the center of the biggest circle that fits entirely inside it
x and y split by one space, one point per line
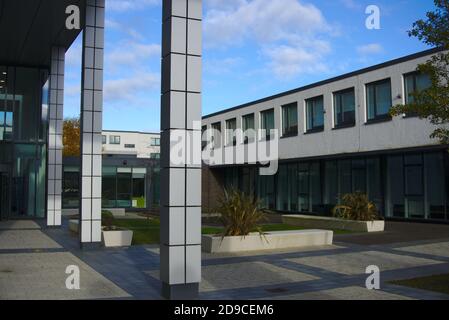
91 123
181 149
55 145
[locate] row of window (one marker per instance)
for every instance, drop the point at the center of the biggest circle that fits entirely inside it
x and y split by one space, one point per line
378 102
155 142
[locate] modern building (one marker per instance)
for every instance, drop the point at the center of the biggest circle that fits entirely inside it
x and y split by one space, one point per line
336 137
140 144
130 172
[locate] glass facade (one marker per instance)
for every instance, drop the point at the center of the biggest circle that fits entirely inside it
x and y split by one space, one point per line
408 185
122 187
23 139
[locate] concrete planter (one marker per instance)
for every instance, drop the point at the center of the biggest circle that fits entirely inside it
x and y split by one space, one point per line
117 238
334 223
271 241
74 225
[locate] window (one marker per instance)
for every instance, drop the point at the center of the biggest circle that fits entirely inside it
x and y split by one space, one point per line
130 146
231 125
248 127
103 139
290 120
378 96
114 139
315 114
216 135
155 142
344 108
267 122
203 137
415 82
155 155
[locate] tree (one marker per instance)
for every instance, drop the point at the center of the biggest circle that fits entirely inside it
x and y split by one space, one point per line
432 103
71 137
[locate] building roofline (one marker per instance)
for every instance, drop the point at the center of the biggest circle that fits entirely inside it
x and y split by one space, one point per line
330 80
126 131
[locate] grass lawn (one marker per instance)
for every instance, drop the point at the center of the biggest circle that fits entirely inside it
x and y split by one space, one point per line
147 231
437 283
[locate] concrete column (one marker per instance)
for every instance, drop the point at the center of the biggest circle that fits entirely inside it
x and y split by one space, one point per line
54 161
180 144
91 123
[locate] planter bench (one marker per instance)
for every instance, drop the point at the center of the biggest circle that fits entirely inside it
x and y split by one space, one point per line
333 223
113 238
270 241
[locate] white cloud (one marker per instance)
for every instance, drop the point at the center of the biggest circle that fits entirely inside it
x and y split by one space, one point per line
289 33
131 54
370 49
126 89
133 33
129 5
351 4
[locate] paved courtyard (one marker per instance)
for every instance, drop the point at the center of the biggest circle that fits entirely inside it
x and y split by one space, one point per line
33 262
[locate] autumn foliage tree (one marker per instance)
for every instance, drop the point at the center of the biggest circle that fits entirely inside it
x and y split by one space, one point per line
433 102
71 137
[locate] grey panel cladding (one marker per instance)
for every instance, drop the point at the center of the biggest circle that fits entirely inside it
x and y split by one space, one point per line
181 126
55 144
91 122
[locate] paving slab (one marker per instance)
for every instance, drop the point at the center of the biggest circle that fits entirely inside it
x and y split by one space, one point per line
436 249
18 224
25 239
356 263
35 276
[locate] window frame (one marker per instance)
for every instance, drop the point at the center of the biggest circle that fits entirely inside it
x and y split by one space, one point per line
154 143
377 117
113 140
414 74
234 138
289 132
216 126
343 124
263 123
104 139
247 139
130 146
314 128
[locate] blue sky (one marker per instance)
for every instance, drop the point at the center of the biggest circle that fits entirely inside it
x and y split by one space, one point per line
252 49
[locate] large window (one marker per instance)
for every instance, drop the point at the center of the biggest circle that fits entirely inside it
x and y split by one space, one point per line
290 120
413 83
155 142
344 108
267 122
103 139
231 126
378 100
114 139
216 135
315 114
248 128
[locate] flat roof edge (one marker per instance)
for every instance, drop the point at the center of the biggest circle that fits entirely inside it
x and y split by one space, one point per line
333 79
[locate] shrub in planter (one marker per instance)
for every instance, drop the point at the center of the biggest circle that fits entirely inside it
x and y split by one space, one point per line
356 206
240 213
107 220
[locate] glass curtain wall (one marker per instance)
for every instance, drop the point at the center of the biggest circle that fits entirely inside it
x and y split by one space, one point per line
23 139
411 185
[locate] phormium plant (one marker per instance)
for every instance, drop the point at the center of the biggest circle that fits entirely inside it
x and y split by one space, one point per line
356 206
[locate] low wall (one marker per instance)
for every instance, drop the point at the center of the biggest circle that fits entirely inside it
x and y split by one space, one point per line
269 241
333 223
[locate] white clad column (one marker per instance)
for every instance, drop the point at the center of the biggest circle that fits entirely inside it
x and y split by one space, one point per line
181 149
54 159
91 123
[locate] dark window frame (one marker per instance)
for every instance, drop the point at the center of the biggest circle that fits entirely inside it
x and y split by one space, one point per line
377 117
246 139
234 138
130 146
216 126
263 124
344 123
314 128
113 140
290 131
413 74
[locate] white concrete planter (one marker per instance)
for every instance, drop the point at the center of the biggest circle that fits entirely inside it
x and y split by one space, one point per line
333 223
117 238
270 241
74 225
